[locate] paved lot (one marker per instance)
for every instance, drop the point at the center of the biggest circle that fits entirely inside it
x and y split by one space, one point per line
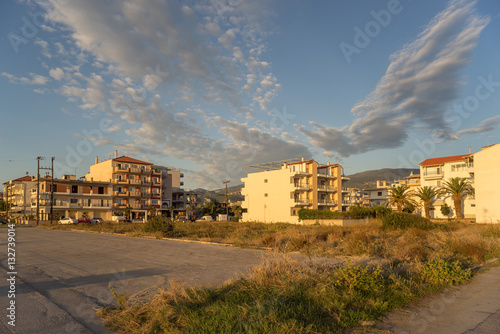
63 275
473 308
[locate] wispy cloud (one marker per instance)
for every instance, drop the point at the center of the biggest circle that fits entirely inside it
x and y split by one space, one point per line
36 79
489 124
422 79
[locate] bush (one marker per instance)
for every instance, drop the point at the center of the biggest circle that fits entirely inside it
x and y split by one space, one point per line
320 214
406 220
159 224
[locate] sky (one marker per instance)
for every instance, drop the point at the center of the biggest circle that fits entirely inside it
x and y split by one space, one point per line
211 86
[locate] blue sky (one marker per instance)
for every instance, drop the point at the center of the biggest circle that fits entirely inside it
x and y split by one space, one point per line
213 85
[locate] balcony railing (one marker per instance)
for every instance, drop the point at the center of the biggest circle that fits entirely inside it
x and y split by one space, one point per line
301 186
132 181
326 187
326 202
301 201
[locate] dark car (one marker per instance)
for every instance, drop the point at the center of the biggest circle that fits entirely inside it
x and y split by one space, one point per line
3 221
84 220
96 220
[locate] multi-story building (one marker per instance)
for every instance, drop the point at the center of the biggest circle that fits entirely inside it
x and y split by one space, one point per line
353 197
17 193
376 196
487 184
276 191
136 185
70 197
434 172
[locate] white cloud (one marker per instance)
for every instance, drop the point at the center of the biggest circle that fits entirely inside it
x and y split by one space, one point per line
422 79
56 73
45 47
36 79
489 124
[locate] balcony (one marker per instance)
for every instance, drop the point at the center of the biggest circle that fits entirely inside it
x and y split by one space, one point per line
134 181
135 194
121 181
121 193
328 176
433 174
326 202
136 170
326 187
301 186
301 201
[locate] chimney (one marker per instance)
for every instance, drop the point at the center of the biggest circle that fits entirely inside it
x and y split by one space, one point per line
470 150
96 160
328 163
303 159
116 154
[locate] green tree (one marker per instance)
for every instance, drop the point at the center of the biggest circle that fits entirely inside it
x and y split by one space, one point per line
3 206
401 197
445 210
128 211
235 210
427 195
457 188
85 214
152 211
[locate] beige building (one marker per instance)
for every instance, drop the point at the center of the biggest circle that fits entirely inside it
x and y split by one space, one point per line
276 191
135 184
17 193
433 172
487 184
72 198
376 196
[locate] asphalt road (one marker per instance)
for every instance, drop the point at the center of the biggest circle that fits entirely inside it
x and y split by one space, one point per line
62 276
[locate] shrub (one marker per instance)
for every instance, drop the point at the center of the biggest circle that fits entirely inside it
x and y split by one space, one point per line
406 220
358 212
443 272
159 224
320 214
445 210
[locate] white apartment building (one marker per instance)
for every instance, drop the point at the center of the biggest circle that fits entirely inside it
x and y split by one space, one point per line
433 172
487 184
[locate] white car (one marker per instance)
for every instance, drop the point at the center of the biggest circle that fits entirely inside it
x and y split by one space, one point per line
67 221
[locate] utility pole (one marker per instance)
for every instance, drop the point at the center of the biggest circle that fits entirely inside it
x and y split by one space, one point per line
227 202
52 191
38 189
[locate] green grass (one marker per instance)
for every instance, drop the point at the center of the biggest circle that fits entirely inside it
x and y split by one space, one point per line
281 296
288 296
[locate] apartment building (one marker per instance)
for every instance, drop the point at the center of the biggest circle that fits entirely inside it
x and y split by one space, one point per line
71 197
276 191
18 194
487 184
135 184
377 195
434 171
352 197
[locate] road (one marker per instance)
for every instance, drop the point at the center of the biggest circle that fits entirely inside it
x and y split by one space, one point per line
62 276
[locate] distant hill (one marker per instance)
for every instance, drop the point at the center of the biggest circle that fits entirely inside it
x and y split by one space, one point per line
369 178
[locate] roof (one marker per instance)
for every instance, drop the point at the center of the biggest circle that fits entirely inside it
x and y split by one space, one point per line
24 178
442 160
299 162
325 166
124 158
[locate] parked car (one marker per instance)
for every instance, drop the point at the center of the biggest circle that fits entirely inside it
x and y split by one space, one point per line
4 221
67 221
96 220
205 219
84 220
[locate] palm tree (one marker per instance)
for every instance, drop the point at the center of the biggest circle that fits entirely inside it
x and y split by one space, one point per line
189 209
171 209
457 188
427 195
400 196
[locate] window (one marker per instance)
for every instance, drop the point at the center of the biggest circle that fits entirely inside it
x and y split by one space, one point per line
74 189
100 190
379 193
265 180
473 205
73 201
265 195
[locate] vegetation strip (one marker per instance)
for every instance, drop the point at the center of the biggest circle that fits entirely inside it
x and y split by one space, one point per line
415 257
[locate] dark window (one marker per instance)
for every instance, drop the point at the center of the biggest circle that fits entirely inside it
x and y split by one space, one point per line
74 189
379 193
73 201
100 190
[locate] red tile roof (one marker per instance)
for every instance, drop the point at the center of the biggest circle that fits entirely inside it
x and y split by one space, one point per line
442 160
124 158
24 178
326 166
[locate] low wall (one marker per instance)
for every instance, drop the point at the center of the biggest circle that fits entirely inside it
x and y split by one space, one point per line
336 222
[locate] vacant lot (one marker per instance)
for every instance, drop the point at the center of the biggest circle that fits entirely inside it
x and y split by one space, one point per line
399 266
